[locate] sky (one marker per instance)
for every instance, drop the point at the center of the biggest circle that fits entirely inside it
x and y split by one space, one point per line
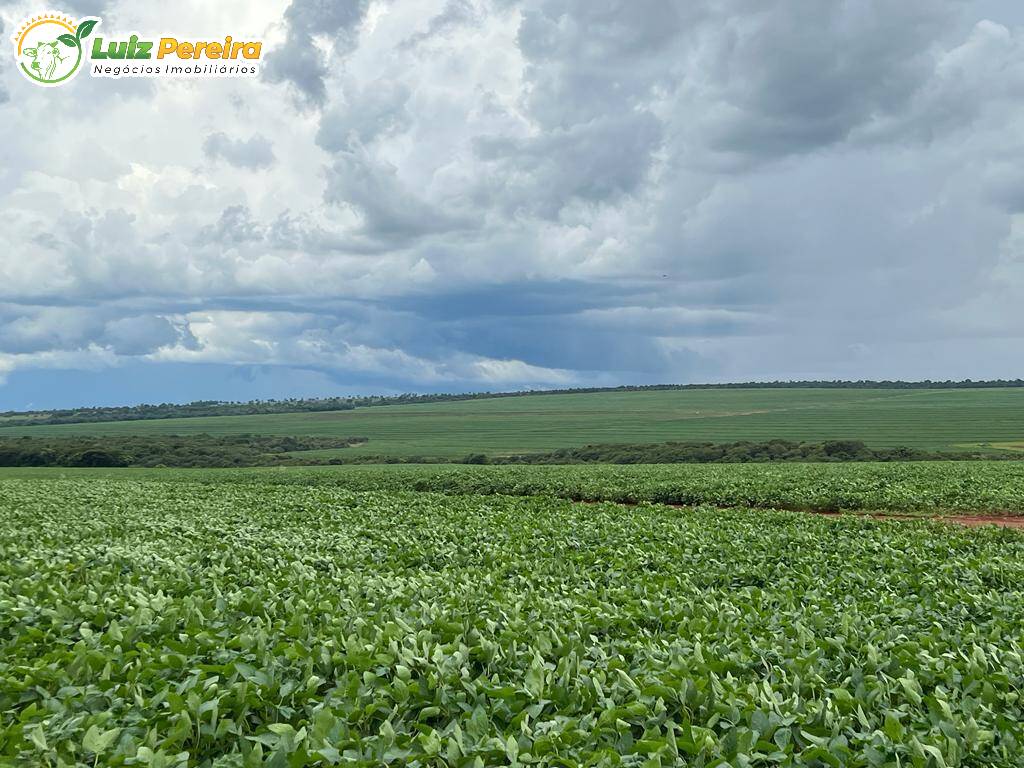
468 195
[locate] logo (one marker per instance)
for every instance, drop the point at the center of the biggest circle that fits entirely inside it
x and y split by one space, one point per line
52 48
49 48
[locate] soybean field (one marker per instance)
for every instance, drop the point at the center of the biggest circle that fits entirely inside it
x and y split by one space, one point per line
249 623
926 488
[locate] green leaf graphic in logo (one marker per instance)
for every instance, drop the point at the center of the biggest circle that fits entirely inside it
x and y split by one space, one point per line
85 28
69 40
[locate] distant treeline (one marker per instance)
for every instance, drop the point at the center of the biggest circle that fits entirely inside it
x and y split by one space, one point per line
733 453
262 450
173 411
301 405
698 453
163 450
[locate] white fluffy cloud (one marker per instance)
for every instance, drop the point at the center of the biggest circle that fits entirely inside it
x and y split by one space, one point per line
490 193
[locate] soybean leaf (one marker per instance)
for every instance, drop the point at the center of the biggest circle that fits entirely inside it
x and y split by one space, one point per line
97 741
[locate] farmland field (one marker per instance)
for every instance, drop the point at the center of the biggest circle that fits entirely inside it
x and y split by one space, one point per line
935 419
922 487
244 623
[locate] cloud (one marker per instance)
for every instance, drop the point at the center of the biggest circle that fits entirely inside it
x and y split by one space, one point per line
981 77
5 95
254 153
145 334
235 226
469 193
318 33
368 112
309 341
773 88
456 14
387 208
543 174
89 359
36 329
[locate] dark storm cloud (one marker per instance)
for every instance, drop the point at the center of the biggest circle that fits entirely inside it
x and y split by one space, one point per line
586 326
513 299
788 77
570 344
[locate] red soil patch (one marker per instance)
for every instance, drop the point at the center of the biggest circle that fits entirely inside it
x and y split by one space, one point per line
971 521
974 520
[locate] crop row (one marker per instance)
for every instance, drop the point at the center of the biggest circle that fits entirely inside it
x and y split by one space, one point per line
956 486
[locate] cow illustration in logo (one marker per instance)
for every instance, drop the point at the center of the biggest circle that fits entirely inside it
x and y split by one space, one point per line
49 47
46 57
